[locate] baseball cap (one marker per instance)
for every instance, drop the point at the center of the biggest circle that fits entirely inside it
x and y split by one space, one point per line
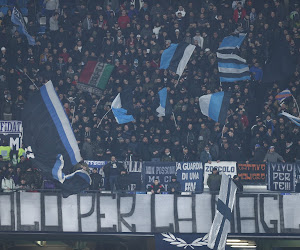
257 145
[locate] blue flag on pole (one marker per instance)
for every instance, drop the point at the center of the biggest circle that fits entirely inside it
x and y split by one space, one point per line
50 141
215 106
17 19
122 107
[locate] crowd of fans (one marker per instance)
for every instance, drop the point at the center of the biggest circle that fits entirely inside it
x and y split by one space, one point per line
131 35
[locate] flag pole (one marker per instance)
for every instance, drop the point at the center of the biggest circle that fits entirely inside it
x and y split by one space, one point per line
20 70
225 125
174 119
103 118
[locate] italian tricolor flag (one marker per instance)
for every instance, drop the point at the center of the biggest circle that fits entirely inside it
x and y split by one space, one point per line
96 74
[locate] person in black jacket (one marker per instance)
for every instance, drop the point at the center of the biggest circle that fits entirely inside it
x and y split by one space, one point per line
123 181
156 187
174 186
112 170
96 180
238 183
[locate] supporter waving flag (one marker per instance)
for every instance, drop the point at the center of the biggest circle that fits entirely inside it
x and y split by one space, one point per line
50 141
282 95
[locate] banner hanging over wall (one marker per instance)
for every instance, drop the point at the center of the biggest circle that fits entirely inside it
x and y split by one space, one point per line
281 176
11 132
227 167
252 173
190 176
162 171
144 213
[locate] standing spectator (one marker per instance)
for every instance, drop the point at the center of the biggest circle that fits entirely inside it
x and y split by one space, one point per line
174 186
156 187
123 181
123 20
96 180
214 181
272 156
239 13
53 23
167 156
205 156
112 170
238 183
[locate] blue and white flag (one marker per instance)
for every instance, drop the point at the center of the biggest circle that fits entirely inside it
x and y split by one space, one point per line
221 225
164 105
122 106
294 119
232 68
50 141
230 43
215 106
17 19
176 57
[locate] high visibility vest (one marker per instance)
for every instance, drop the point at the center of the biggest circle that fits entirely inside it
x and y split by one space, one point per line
5 152
21 152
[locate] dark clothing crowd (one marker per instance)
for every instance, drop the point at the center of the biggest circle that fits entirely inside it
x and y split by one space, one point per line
131 35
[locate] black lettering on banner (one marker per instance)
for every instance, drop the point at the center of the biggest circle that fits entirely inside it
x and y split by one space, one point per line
10 227
21 227
44 227
239 219
193 219
262 213
89 213
121 217
155 229
281 213
100 216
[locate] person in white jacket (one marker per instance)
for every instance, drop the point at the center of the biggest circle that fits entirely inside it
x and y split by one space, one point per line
8 184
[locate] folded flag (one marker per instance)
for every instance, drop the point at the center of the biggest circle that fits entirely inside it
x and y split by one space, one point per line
164 104
17 19
282 95
215 106
122 107
176 57
232 68
50 141
230 43
221 225
95 76
294 119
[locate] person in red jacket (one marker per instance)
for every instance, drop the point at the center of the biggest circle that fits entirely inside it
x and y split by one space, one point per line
239 13
123 20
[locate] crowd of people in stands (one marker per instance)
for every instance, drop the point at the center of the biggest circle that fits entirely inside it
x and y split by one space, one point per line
131 35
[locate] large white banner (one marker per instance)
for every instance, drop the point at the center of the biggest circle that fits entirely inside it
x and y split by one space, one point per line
227 167
144 213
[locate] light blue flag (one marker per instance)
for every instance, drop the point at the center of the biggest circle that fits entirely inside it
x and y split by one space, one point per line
17 19
121 114
167 56
232 42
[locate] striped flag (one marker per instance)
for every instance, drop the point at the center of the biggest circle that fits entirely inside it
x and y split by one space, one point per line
95 76
294 119
176 57
215 106
232 68
50 141
17 19
221 225
282 95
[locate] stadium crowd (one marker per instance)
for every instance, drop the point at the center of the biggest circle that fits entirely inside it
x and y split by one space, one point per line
131 35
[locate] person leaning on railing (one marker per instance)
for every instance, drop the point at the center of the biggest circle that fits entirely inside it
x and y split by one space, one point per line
272 156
